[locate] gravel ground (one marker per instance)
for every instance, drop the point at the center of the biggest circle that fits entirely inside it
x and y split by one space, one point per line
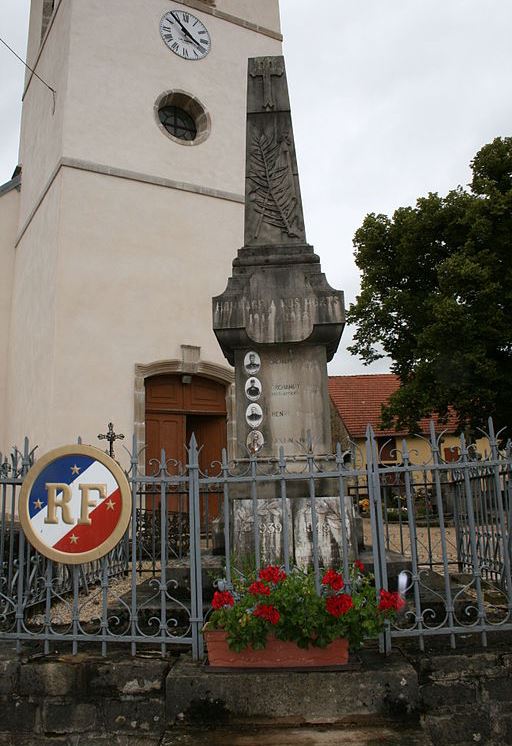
428 541
91 602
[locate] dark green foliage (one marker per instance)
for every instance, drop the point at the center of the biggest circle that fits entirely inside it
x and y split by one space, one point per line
436 297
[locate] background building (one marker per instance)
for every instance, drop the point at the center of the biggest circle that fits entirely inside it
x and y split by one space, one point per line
357 402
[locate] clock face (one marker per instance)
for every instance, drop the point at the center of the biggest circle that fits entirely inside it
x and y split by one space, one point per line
185 35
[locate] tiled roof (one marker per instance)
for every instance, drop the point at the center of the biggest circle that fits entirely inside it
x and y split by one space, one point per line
359 399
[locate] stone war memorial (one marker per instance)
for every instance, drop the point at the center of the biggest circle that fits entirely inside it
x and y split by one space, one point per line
279 322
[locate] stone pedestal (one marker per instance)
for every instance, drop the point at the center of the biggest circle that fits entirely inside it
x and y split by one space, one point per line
279 322
294 400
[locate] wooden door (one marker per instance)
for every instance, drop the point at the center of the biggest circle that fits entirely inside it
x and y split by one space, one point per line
165 431
177 406
210 432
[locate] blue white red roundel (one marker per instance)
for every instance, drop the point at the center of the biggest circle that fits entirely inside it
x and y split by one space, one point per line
75 504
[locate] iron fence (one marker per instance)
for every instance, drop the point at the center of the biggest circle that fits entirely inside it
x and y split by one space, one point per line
443 524
454 535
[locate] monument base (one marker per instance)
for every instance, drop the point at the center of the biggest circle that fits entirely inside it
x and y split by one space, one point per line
304 531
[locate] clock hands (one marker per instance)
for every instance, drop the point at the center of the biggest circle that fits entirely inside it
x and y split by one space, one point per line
185 30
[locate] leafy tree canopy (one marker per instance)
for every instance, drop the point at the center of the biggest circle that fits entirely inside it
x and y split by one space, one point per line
436 297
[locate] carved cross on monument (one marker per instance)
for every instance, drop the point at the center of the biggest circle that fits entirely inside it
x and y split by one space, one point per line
111 436
267 68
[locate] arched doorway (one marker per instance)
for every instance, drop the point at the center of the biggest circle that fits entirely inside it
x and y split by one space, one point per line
178 405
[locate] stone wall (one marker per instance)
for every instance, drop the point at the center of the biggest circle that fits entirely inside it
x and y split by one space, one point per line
458 699
467 699
67 699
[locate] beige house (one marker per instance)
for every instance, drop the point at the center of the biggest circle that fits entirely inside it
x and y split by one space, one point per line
125 218
357 402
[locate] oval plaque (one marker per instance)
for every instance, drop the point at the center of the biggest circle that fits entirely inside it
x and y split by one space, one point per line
75 504
252 363
255 441
254 415
253 389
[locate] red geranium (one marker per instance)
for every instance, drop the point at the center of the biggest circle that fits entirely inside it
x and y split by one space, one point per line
272 574
338 605
268 613
393 601
222 599
259 589
334 580
359 565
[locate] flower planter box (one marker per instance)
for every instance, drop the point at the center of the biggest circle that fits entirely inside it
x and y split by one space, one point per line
276 654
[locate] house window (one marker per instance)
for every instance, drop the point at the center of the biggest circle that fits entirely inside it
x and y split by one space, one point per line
386 449
178 123
451 454
182 118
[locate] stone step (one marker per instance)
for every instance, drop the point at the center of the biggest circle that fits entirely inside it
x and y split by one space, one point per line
371 686
384 734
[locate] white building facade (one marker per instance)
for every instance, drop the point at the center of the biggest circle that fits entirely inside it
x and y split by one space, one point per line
128 215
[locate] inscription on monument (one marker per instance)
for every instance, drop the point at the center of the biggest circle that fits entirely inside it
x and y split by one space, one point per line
292 399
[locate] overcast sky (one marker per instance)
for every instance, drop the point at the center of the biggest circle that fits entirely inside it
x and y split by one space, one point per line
390 100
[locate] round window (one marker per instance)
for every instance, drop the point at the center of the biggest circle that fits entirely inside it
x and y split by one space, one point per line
182 118
178 123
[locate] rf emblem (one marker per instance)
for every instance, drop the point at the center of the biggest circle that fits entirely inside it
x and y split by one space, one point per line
75 504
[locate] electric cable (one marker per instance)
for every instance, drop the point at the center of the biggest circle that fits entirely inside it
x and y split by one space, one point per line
53 91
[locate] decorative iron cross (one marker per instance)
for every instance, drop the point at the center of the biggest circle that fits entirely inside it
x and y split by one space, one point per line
111 436
267 68
5 468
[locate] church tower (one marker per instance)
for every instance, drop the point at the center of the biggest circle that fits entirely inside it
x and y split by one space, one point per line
130 211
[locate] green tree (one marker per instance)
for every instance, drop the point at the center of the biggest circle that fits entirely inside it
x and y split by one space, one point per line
436 297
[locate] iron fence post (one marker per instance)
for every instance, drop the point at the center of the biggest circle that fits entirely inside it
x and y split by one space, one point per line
502 542
440 514
196 581
377 527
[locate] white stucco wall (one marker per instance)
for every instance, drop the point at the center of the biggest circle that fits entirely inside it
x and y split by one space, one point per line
34 35
32 329
9 206
263 12
41 126
116 77
131 291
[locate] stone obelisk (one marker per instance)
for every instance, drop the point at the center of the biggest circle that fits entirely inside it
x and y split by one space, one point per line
278 321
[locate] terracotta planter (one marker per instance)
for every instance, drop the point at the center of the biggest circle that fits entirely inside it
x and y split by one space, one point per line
277 654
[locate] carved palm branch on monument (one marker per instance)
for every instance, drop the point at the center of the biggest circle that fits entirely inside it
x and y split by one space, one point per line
272 176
